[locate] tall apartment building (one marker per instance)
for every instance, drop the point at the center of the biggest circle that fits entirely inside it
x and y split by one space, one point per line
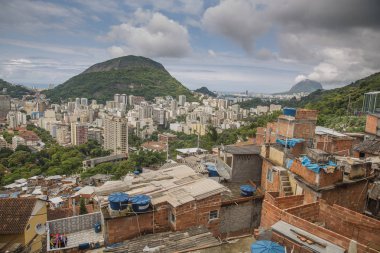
159 116
181 100
5 106
79 133
145 110
116 135
84 101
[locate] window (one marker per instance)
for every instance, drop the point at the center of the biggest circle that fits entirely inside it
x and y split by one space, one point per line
270 175
214 215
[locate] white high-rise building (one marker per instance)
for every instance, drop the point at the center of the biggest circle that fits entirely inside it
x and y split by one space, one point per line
77 103
116 135
116 98
123 99
181 100
84 101
174 107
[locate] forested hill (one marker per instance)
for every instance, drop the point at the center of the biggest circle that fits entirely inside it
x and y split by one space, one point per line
15 91
132 75
340 100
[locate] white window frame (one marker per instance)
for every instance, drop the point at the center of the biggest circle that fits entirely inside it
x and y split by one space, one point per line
270 175
214 218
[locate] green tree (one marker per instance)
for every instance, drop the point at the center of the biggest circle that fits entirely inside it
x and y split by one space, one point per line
82 207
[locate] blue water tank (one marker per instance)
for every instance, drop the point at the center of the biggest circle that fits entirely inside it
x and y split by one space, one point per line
212 172
98 227
247 190
290 111
118 200
83 246
140 203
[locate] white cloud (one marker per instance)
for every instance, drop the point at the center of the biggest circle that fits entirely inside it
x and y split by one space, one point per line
155 36
211 53
338 39
238 20
300 78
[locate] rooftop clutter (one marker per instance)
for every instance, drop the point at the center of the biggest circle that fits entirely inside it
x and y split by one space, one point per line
328 168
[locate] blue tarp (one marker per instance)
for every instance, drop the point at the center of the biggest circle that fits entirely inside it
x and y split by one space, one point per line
314 166
266 247
290 142
289 163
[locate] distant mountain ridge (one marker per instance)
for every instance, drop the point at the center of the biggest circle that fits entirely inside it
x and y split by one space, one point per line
205 91
307 86
132 75
14 90
339 101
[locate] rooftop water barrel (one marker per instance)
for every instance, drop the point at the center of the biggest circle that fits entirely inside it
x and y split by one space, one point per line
212 172
247 190
98 227
84 246
290 111
140 203
118 200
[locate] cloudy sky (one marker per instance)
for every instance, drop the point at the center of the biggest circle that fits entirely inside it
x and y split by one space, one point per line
228 45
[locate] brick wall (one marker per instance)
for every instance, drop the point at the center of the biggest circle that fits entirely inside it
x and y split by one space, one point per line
266 184
309 212
270 134
270 214
285 127
304 129
342 147
306 114
320 180
260 135
351 196
371 124
161 217
350 224
127 227
190 214
284 202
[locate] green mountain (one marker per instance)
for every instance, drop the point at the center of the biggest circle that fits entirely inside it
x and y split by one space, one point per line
205 91
132 75
14 90
306 85
339 101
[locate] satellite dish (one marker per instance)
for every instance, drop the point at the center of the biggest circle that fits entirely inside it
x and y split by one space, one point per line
40 229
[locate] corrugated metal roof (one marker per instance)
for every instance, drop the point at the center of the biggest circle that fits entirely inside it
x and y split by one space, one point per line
324 130
369 146
177 185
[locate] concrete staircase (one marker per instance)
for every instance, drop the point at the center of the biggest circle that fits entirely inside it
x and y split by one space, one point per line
286 188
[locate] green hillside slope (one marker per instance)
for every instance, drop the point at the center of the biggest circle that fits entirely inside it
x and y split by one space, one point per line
132 75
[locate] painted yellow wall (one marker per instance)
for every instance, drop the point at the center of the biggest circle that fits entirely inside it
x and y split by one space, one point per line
39 218
276 156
